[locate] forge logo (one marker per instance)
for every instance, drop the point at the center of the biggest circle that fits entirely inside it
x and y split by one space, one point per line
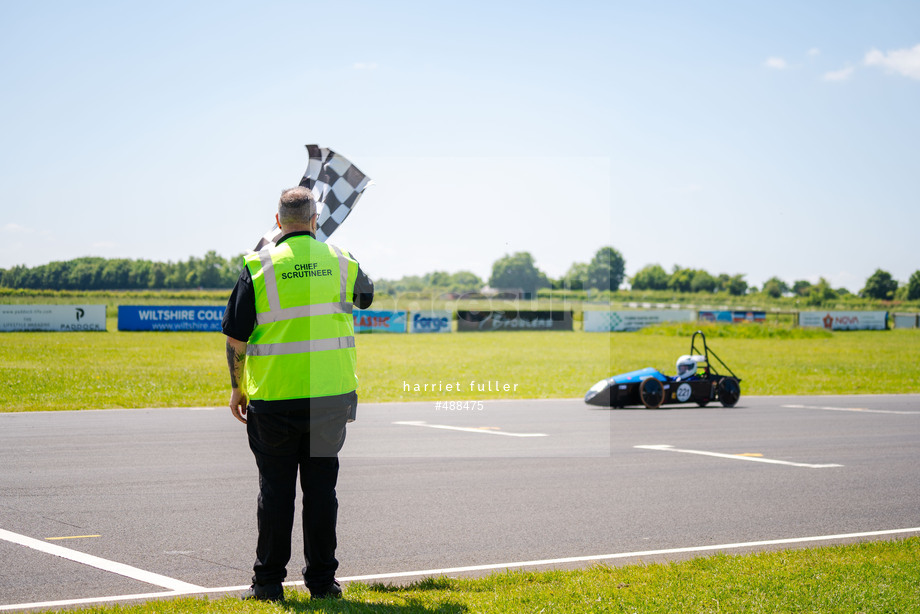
431 322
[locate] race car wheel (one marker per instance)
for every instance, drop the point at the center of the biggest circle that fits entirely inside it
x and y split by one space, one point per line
729 391
651 393
703 402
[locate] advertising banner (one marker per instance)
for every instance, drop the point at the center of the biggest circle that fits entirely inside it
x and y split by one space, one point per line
906 320
468 321
370 321
58 318
169 318
430 322
733 316
626 321
845 320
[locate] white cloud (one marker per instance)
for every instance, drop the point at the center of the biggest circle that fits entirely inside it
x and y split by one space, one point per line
365 66
774 62
839 75
16 228
905 62
813 52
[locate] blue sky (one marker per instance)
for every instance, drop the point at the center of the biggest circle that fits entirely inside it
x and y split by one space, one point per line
757 138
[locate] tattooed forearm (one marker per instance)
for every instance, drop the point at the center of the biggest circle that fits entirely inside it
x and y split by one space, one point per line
235 361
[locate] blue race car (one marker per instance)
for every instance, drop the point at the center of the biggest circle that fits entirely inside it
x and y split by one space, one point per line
697 381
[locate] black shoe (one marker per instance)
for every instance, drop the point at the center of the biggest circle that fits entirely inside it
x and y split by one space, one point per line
264 592
330 591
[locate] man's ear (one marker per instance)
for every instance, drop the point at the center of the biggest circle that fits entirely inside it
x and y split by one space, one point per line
278 220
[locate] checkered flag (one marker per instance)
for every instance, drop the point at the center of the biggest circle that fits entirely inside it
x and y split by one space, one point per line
336 183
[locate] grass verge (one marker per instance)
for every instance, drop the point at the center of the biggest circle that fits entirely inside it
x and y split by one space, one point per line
867 577
743 330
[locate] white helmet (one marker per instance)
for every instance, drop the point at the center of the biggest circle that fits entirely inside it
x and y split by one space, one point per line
686 366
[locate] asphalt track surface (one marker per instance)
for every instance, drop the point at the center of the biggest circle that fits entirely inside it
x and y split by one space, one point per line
165 498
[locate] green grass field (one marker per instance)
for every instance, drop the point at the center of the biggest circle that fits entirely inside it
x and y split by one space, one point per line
60 371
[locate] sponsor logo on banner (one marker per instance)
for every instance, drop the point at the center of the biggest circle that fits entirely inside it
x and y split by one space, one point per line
170 318
66 318
430 322
370 321
626 321
845 320
468 321
733 316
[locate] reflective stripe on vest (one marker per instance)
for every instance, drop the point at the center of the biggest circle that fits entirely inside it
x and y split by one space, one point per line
300 347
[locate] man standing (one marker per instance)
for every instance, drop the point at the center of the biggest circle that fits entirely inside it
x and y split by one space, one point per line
291 354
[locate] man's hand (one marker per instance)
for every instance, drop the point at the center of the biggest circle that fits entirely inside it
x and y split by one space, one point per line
238 404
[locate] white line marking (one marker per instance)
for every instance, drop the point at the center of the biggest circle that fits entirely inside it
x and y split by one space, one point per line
467 429
97 562
91 600
755 459
490 567
626 555
857 409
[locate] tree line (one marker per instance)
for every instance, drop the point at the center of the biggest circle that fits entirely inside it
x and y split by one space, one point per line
518 271
879 286
93 273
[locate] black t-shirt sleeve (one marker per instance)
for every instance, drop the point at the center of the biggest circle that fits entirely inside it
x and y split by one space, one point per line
240 315
364 288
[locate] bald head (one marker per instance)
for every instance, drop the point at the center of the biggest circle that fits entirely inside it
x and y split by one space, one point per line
296 209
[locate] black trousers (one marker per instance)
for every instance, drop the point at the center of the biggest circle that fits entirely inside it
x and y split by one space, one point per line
283 443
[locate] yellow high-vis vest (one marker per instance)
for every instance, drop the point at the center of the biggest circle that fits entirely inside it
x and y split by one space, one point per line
303 344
